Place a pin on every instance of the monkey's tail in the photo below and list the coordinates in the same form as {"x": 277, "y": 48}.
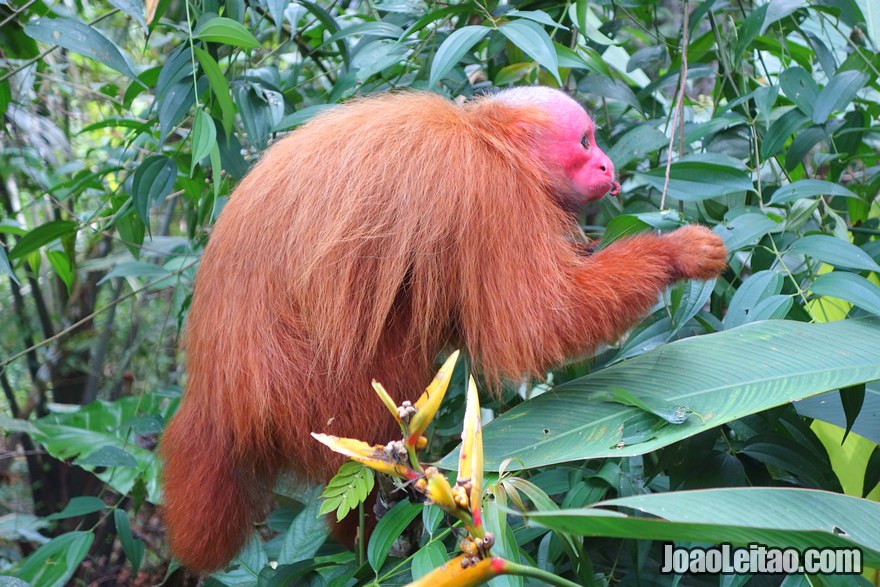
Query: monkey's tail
{"x": 211, "y": 503}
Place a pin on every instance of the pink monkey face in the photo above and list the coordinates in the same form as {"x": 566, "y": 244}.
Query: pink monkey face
{"x": 569, "y": 146}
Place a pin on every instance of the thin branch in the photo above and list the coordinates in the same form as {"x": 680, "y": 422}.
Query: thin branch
{"x": 678, "y": 107}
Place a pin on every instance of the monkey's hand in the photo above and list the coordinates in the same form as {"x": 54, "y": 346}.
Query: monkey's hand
{"x": 697, "y": 253}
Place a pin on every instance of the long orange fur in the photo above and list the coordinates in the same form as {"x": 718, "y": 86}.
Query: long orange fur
{"x": 359, "y": 247}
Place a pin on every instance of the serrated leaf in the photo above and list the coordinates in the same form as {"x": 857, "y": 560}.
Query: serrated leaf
{"x": 453, "y": 48}
{"x": 153, "y": 180}
{"x": 227, "y": 31}
{"x": 850, "y": 287}
{"x": 534, "y": 41}
{"x": 834, "y": 251}
{"x": 81, "y": 38}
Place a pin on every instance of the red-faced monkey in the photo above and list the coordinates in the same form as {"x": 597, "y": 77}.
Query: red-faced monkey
{"x": 362, "y": 245}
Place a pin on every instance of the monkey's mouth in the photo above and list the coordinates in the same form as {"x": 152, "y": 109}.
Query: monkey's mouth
{"x": 615, "y": 188}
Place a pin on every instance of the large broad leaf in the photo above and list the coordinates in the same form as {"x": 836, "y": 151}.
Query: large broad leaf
{"x": 717, "y": 378}
{"x": 700, "y": 177}
{"x": 92, "y": 429}
{"x": 79, "y": 37}
{"x": 225, "y": 30}
{"x": 774, "y": 517}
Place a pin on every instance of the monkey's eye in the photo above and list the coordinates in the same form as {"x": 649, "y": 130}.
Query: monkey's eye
{"x": 585, "y": 141}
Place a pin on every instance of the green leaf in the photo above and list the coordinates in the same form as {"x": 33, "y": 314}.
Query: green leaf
{"x": 108, "y": 456}
{"x": 227, "y": 31}
{"x": 834, "y": 251}
{"x": 428, "y": 558}
{"x": 392, "y": 524}
{"x": 204, "y": 137}
{"x": 787, "y": 361}
{"x": 81, "y": 38}
{"x": 153, "y": 180}
{"x": 872, "y": 472}
{"x": 219, "y": 87}
{"x": 301, "y": 116}
{"x": 5, "y": 267}
{"x": 5, "y": 96}
{"x": 85, "y": 428}
{"x": 604, "y": 86}
{"x": 132, "y": 9}
{"x": 60, "y": 262}
{"x": 133, "y": 547}
{"x": 534, "y": 41}
{"x": 800, "y": 88}
{"x": 538, "y": 16}
{"x": 306, "y": 534}
{"x": 780, "y": 131}
{"x": 694, "y": 295}
{"x": 453, "y": 48}
{"x": 348, "y": 488}
{"x": 636, "y": 144}
{"x": 850, "y": 287}
{"x": 55, "y": 562}
{"x": 838, "y": 94}
{"x": 79, "y": 506}
{"x": 756, "y": 288}
{"x": 776, "y": 517}
{"x": 852, "y": 399}
{"x": 828, "y": 407}
{"x": 700, "y": 177}
{"x": 42, "y": 235}
{"x": 807, "y": 188}
{"x": 745, "y": 230}
{"x": 373, "y": 29}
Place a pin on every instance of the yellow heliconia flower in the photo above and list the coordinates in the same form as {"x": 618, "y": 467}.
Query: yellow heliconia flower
{"x": 374, "y": 457}
{"x": 470, "y": 458}
{"x": 429, "y": 402}
{"x": 440, "y": 492}
{"x": 454, "y": 574}
{"x": 386, "y": 399}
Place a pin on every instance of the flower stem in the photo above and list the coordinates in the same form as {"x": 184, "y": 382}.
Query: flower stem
{"x": 527, "y": 571}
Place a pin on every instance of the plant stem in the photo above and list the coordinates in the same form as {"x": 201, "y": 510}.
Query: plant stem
{"x": 527, "y": 571}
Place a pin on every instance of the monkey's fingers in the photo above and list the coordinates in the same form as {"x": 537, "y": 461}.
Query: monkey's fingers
{"x": 699, "y": 253}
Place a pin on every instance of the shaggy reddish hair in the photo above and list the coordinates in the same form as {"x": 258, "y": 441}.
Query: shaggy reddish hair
{"x": 359, "y": 247}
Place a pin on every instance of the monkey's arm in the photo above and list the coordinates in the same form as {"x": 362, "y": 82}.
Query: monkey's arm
{"x": 616, "y": 286}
